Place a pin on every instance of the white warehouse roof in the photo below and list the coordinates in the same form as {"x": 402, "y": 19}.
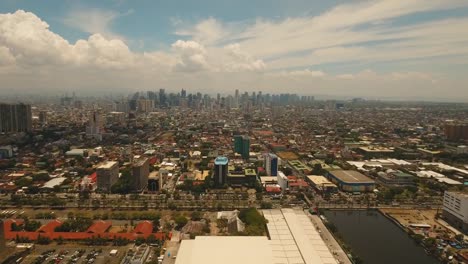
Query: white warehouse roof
{"x": 225, "y": 250}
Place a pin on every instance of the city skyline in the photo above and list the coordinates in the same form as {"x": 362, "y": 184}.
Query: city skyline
{"x": 398, "y": 50}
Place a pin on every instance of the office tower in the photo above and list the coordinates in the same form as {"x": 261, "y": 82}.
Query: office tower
{"x": 242, "y": 146}
{"x": 15, "y": 118}
{"x": 140, "y": 174}
{"x": 162, "y": 97}
{"x": 236, "y": 99}
{"x": 145, "y": 105}
{"x": 220, "y": 171}
{"x": 271, "y": 164}
{"x": 107, "y": 175}
{"x": 95, "y": 125}
{"x": 43, "y": 117}
{"x": 183, "y": 93}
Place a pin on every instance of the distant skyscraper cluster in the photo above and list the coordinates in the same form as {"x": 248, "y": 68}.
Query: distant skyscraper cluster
{"x": 149, "y": 101}
{"x": 15, "y": 118}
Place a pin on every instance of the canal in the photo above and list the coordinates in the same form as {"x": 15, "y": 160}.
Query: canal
{"x": 377, "y": 240}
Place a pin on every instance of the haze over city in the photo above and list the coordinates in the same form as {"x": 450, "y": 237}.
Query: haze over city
{"x": 402, "y": 50}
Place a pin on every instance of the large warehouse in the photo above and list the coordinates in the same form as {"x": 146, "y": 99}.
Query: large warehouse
{"x": 351, "y": 181}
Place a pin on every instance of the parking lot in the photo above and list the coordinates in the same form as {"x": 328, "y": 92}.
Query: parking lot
{"x": 77, "y": 254}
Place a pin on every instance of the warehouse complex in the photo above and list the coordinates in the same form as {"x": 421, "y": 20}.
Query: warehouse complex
{"x": 351, "y": 181}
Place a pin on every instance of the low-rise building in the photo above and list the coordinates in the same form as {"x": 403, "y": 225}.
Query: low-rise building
{"x": 351, "y": 181}
{"x": 393, "y": 178}
{"x": 322, "y": 184}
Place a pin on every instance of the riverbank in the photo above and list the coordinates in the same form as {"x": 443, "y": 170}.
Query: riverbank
{"x": 426, "y": 229}
{"x": 330, "y": 240}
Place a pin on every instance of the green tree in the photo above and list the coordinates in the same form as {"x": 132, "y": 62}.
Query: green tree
{"x": 180, "y": 221}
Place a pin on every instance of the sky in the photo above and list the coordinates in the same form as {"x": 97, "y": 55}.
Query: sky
{"x": 398, "y": 49}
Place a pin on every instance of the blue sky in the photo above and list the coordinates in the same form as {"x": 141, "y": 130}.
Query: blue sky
{"x": 365, "y": 48}
{"x": 152, "y": 21}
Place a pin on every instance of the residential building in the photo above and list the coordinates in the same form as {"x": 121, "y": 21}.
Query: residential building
{"x": 15, "y": 118}
{"x": 145, "y": 105}
{"x": 456, "y": 131}
{"x": 107, "y": 175}
{"x": 140, "y": 175}
{"x": 455, "y": 210}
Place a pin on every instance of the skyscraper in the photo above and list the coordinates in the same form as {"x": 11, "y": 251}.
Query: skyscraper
{"x": 43, "y": 117}
{"x": 94, "y": 125}
{"x": 220, "y": 171}
{"x": 271, "y": 164}
{"x": 15, "y": 118}
{"x": 242, "y": 146}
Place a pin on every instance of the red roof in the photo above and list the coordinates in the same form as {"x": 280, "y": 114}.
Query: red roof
{"x": 99, "y": 227}
{"x": 49, "y": 227}
{"x": 298, "y": 183}
{"x": 145, "y": 227}
{"x": 93, "y": 177}
{"x": 273, "y": 189}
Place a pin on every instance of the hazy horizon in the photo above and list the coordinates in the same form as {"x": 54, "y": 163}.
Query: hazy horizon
{"x": 412, "y": 50}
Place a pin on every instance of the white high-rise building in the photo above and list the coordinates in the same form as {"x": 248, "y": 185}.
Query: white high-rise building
{"x": 455, "y": 210}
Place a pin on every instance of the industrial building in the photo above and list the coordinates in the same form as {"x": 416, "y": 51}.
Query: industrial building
{"x": 351, "y": 181}
{"x": 226, "y": 250}
{"x": 455, "y": 210}
{"x": 294, "y": 238}
{"x": 376, "y": 152}
{"x": 107, "y": 175}
{"x": 322, "y": 184}
{"x": 393, "y": 178}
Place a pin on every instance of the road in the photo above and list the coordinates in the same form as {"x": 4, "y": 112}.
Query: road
{"x": 334, "y": 247}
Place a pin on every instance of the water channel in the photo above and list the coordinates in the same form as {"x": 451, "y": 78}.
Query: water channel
{"x": 376, "y": 239}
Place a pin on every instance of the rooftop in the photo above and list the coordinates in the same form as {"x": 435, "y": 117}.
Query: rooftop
{"x": 351, "y": 176}
{"x": 107, "y": 165}
{"x": 229, "y": 250}
{"x": 221, "y": 161}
